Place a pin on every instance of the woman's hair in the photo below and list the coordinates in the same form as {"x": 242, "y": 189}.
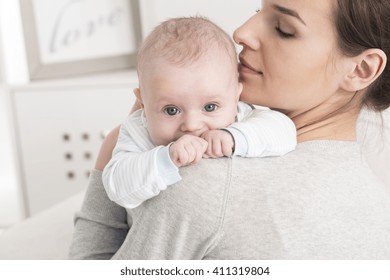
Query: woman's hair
{"x": 362, "y": 25}
{"x": 181, "y": 41}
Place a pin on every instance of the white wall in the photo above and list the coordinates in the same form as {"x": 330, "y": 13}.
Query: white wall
{"x": 13, "y": 70}
{"x": 229, "y": 14}
{"x": 12, "y": 51}
{"x": 11, "y": 206}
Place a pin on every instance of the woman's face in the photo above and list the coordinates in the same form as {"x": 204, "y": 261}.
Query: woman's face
{"x": 290, "y": 60}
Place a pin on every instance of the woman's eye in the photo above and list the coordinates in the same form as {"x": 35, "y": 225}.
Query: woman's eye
{"x": 171, "y": 111}
{"x": 283, "y": 34}
{"x": 210, "y": 107}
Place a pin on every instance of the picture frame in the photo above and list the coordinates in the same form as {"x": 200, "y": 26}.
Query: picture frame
{"x": 73, "y": 37}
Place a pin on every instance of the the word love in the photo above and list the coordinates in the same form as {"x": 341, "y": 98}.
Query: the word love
{"x": 69, "y": 30}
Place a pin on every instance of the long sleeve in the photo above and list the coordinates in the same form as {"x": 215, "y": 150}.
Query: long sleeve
{"x": 261, "y": 132}
{"x": 138, "y": 170}
{"x": 100, "y": 227}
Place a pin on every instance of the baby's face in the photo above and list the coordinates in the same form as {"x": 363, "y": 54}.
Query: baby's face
{"x": 189, "y": 99}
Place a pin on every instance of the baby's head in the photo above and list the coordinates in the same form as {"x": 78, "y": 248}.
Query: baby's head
{"x": 188, "y": 79}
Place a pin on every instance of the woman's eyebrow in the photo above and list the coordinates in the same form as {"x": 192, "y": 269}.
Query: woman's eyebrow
{"x": 288, "y": 12}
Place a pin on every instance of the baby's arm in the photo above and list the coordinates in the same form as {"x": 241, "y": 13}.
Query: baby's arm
{"x": 137, "y": 170}
{"x": 263, "y": 132}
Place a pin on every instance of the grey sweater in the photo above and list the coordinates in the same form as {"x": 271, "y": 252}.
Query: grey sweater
{"x": 320, "y": 201}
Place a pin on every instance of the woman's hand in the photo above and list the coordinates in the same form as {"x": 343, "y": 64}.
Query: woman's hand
{"x": 106, "y": 149}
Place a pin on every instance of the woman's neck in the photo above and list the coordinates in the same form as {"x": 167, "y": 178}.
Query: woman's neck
{"x": 333, "y": 119}
{"x": 339, "y": 127}
{"x": 327, "y": 123}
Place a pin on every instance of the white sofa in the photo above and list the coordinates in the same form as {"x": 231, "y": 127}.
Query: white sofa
{"x": 45, "y": 236}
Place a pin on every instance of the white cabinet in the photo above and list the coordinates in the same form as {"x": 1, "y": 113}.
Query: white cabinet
{"x": 60, "y": 126}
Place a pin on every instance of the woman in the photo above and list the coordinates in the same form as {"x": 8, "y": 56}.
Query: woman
{"x": 319, "y": 62}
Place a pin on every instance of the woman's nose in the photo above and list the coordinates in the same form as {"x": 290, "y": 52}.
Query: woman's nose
{"x": 247, "y": 35}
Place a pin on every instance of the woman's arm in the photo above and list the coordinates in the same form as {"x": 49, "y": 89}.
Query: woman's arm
{"x": 101, "y": 226}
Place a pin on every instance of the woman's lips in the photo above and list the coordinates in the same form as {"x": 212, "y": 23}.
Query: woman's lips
{"x": 243, "y": 67}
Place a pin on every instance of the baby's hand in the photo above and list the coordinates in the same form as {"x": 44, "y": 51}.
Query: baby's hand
{"x": 220, "y": 143}
{"x": 188, "y": 149}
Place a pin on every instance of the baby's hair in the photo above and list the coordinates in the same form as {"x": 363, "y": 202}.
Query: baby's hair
{"x": 182, "y": 41}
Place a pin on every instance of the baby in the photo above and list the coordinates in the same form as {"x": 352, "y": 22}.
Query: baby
{"x": 189, "y": 95}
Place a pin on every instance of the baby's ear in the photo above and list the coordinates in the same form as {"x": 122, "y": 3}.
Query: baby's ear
{"x": 367, "y": 67}
{"x": 137, "y": 93}
{"x": 239, "y": 90}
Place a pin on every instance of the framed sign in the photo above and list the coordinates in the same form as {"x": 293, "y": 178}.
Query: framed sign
{"x": 71, "y": 37}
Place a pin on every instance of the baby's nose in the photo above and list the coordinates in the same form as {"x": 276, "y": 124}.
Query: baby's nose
{"x": 191, "y": 124}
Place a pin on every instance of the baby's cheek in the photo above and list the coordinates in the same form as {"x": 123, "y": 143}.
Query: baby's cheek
{"x": 161, "y": 136}
{"x": 225, "y": 122}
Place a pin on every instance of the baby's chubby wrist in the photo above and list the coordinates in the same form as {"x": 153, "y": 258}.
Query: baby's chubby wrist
{"x": 166, "y": 168}
{"x": 232, "y": 137}
{"x": 240, "y": 143}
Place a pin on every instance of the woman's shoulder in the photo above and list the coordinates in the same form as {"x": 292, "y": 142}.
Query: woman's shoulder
{"x": 311, "y": 163}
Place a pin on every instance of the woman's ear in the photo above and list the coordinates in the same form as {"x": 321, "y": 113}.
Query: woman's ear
{"x": 137, "y": 93}
{"x": 367, "y": 67}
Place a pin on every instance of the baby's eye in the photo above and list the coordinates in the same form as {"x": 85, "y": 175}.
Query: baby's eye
{"x": 171, "y": 111}
{"x": 210, "y": 107}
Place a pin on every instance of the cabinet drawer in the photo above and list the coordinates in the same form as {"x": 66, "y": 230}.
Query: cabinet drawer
{"x": 59, "y": 133}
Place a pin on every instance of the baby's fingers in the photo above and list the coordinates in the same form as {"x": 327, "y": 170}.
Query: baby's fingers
{"x": 214, "y": 148}
{"x": 190, "y": 149}
{"x": 198, "y": 148}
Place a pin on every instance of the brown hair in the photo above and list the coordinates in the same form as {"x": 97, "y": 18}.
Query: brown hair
{"x": 184, "y": 40}
{"x": 362, "y": 25}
